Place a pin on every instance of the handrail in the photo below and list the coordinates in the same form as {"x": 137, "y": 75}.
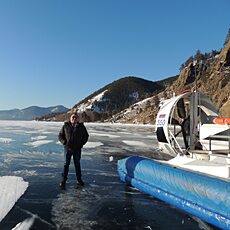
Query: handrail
{"x": 224, "y": 137}
{"x": 219, "y": 137}
{"x": 176, "y": 141}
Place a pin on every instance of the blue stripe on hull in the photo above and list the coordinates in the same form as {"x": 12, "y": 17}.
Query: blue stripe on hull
{"x": 203, "y": 196}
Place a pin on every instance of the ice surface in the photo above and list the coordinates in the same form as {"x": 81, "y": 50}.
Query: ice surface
{"x": 11, "y": 189}
{"x": 104, "y": 202}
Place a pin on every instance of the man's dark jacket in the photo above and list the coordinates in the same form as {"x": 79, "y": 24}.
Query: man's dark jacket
{"x": 73, "y": 138}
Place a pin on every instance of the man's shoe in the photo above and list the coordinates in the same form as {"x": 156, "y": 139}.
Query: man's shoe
{"x": 80, "y": 182}
{"x": 62, "y": 185}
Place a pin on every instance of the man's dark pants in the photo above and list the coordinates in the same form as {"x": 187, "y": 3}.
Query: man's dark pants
{"x": 76, "y": 159}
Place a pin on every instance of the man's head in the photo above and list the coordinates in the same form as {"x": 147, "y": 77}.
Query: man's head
{"x": 73, "y": 118}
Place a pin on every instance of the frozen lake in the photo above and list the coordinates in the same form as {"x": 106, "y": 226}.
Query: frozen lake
{"x": 31, "y": 150}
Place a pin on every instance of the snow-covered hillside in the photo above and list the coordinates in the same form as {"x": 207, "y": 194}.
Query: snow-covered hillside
{"x": 92, "y": 104}
{"x": 114, "y": 97}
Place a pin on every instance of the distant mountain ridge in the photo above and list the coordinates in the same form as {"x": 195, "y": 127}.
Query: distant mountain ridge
{"x": 31, "y": 113}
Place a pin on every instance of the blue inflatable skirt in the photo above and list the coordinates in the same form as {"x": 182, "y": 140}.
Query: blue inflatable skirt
{"x": 203, "y": 196}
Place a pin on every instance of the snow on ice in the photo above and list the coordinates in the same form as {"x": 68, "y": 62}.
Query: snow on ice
{"x": 11, "y": 189}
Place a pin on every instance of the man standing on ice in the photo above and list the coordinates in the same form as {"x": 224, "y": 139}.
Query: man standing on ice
{"x": 73, "y": 135}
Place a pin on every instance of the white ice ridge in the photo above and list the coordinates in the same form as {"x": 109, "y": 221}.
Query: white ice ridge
{"x": 135, "y": 143}
{"x": 92, "y": 144}
{"x": 11, "y": 189}
{"x": 38, "y": 138}
{"x": 104, "y": 135}
{"x": 25, "y": 225}
{"x": 6, "y": 140}
{"x": 38, "y": 143}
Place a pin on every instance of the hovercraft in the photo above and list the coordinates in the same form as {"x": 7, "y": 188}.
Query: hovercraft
{"x": 197, "y": 178}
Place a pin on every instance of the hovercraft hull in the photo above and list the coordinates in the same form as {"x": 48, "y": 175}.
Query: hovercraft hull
{"x": 201, "y": 195}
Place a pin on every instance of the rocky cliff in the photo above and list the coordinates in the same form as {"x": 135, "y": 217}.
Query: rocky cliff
{"x": 206, "y": 73}
{"x": 211, "y": 76}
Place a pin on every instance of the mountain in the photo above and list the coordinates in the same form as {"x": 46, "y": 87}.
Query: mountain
{"x": 114, "y": 97}
{"x": 30, "y": 113}
{"x": 209, "y": 73}
{"x": 135, "y": 100}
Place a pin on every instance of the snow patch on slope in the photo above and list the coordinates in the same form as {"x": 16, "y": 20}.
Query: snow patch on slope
{"x": 89, "y": 105}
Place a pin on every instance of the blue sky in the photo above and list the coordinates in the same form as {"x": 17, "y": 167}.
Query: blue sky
{"x": 58, "y": 52}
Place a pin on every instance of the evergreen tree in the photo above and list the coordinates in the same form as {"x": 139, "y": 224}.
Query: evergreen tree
{"x": 189, "y": 60}
{"x": 227, "y": 37}
{"x": 198, "y": 56}
{"x": 214, "y": 53}
{"x": 182, "y": 67}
